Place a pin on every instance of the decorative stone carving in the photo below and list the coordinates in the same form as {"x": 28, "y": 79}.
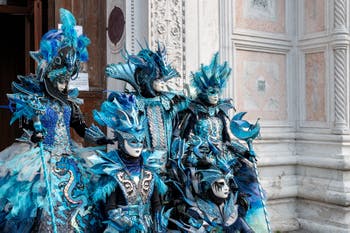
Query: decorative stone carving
{"x": 340, "y": 15}
{"x": 167, "y": 26}
{"x": 132, "y": 25}
{"x": 340, "y": 49}
{"x": 340, "y": 91}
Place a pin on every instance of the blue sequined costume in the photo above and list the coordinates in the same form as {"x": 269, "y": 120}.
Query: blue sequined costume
{"x": 50, "y": 196}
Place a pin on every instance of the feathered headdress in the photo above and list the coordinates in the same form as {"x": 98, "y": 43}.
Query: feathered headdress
{"x": 213, "y": 75}
{"x": 142, "y": 69}
{"x": 207, "y": 177}
{"x": 61, "y": 51}
{"x": 222, "y": 169}
{"x": 120, "y": 113}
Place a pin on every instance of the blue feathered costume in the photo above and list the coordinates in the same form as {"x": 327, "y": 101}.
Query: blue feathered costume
{"x": 43, "y": 185}
{"x": 129, "y": 185}
{"x": 152, "y": 79}
{"x": 205, "y": 141}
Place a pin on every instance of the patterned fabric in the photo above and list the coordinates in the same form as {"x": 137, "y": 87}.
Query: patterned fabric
{"x": 43, "y": 183}
{"x": 133, "y": 197}
{"x": 23, "y": 187}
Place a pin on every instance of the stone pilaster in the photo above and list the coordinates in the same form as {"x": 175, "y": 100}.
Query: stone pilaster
{"x": 340, "y": 16}
{"x": 340, "y": 88}
{"x": 167, "y": 22}
{"x": 340, "y": 42}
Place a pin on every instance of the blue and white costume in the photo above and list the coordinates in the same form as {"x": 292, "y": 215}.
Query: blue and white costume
{"x": 43, "y": 184}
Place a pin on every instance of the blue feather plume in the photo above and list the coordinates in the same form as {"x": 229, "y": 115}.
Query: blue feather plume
{"x": 68, "y": 24}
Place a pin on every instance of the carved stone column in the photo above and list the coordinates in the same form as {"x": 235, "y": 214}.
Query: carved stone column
{"x": 340, "y": 15}
{"x": 341, "y": 74}
{"x": 167, "y": 22}
{"x": 340, "y": 88}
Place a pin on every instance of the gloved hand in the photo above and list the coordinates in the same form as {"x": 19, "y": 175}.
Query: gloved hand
{"x": 37, "y": 137}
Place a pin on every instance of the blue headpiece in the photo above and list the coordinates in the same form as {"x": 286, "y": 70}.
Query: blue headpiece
{"x": 222, "y": 169}
{"x": 142, "y": 69}
{"x": 208, "y": 176}
{"x": 213, "y": 75}
{"x": 121, "y": 114}
{"x": 61, "y": 51}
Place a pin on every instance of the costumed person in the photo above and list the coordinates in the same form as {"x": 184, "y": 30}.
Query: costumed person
{"x": 214, "y": 208}
{"x": 128, "y": 186}
{"x": 43, "y": 186}
{"x": 204, "y": 125}
{"x": 150, "y": 76}
{"x": 204, "y": 138}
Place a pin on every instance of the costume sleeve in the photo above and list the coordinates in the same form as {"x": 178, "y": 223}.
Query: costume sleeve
{"x": 184, "y": 125}
{"x": 111, "y": 201}
{"x": 92, "y": 134}
{"x": 179, "y": 103}
{"x": 77, "y": 121}
{"x": 155, "y": 200}
{"x": 160, "y": 218}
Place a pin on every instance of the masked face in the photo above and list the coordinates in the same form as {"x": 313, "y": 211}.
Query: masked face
{"x": 159, "y": 85}
{"x": 133, "y": 147}
{"x": 61, "y": 84}
{"x": 213, "y": 96}
{"x": 220, "y": 188}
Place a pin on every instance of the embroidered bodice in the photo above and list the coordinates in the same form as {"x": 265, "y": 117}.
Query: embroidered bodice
{"x": 136, "y": 193}
{"x": 209, "y": 127}
{"x": 159, "y": 121}
{"x": 56, "y": 121}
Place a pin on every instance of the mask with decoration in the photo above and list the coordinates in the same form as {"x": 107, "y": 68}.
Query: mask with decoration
{"x": 147, "y": 72}
{"x": 120, "y": 113}
{"x": 59, "y": 57}
{"x": 210, "y": 80}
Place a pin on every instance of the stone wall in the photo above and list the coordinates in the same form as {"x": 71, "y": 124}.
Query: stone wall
{"x": 263, "y": 44}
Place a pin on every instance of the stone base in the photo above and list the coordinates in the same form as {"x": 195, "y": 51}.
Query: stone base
{"x": 282, "y": 215}
{"x": 320, "y": 217}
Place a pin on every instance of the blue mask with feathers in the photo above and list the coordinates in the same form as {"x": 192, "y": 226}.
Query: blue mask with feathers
{"x": 61, "y": 51}
{"x": 211, "y": 80}
{"x": 207, "y": 177}
{"x": 142, "y": 69}
{"x": 120, "y": 113}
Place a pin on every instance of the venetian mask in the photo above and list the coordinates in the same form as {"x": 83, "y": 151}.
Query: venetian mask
{"x": 212, "y": 95}
{"x": 220, "y": 188}
{"x": 61, "y": 84}
{"x": 133, "y": 147}
{"x": 159, "y": 85}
